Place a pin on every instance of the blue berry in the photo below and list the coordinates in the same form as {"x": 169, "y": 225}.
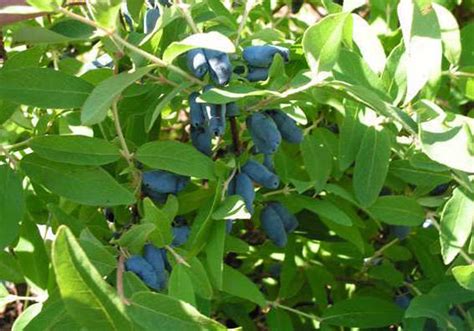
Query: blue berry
{"x": 244, "y": 188}
{"x": 139, "y": 266}
{"x": 151, "y": 17}
{"x": 273, "y": 226}
{"x": 220, "y": 67}
{"x": 197, "y": 63}
{"x": 262, "y": 56}
{"x": 287, "y": 126}
{"x": 264, "y": 132}
{"x": 260, "y": 174}
{"x": 256, "y": 74}
{"x": 180, "y": 235}
{"x": 289, "y": 220}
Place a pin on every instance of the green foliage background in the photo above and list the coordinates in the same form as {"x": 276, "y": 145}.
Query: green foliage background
{"x": 383, "y": 91}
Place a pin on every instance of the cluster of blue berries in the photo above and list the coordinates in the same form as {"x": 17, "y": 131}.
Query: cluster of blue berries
{"x": 153, "y": 267}
{"x": 158, "y": 184}
{"x": 267, "y": 129}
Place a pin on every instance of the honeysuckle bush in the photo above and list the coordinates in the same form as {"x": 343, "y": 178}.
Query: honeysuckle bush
{"x": 111, "y": 219}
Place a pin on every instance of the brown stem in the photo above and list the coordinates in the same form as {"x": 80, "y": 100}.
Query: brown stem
{"x": 3, "y": 52}
{"x": 120, "y": 271}
{"x": 234, "y": 129}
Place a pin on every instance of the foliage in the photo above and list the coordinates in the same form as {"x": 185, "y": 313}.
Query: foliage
{"x": 204, "y": 165}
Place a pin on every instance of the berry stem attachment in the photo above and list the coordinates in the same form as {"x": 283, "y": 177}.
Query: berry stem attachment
{"x": 179, "y": 259}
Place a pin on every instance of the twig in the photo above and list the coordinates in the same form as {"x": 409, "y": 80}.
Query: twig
{"x": 294, "y": 311}
{"x": 463, "y": 254}
{"x": 179, "y": 259}
{"x": 248, "y": 6}
{"x": 225, "y": 186}
{"x": 378, "y": 253}
{"x": 184, "y": 10}
{"x": 120, "y": 271}
{"x": 286, "y": 190}
{"x": 115, "y": 37}
{"x": 234, "y": 129}
{"x": 125, "y": 151}
{"x": 12, "y": 158}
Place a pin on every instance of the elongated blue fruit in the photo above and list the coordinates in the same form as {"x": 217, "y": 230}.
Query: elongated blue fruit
{"x": 259, "y": 174}
{"x": 202, "y": 139}
{"x": 264, "y": 132}
{"x": 197, "y": 112}
{"x": 287, "y": 126}
{"x": 262, "y": 56}
{"x": 217, "y": 120}
{"x": 151, "y": 17}
{"x": 400, "y": 231}
{"x": 220, "y": 67}
{"x": 273, "y": 226}
{"x": 165, "y": 259}
{"x": 268, "y": 162}
{"x": 232, "y": 110}
{"x": 161, "y": 181}
{"x": 244, "y": 188}
{"x": 289, "y": 220}
{"x": 154, "y": 257}
{"x": 228, "y": 226}
{"x": 166, "y": 3}
{"x": 256, "y": 74}
{"x": 180, "y": 235}
{"x": 139, "y": 266}
{"x": 197, "y": 63}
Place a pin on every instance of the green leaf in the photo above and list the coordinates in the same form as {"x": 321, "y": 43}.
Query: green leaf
{"x": 322, "y": 42}
{"x": 180, "y": 285}
{"x": 237, "y": 284}
{"x": 450, "y": 34}
{"x": 100, "y": 100}
{"x": 152, "y": 115}
{"x": 44, "y": 88}
{"x": 279, "y": 320}
{"x": 10, "y": 268}
{"x": 60, "y": 217}
{"x": 87, "y": 185}
{"x": 149, "y": 310}
{"x": 351, "y": 134}
{"x": 12, "y": 205}
{"x": 369, "y": 45}
{"x": 161, "y": 235}
{"x": 102, "y": 259}
{"x": 135, "y": 238}
{"x": 210, "y": 40}
{"x": 32, "y": 257}
{"x": 201, "y": 284}
{"x": 289, "y": 272}
{"x": 397, "y": 210}
{"x": 53, "y": 317}
{"x": 371, "y": 166}
{"x": 215, "y": 253}
{"x": 325, "y": 209}
{"x": 421, "y": 35}
{"x": 26, "y": 317}
{"x": 456, "y": 224}
{"x": 429, "y": 306}
{"x": 45, "y": 5}
{"x": 233, "y": 207}
{"x": 176, "y": 157}
{"x": 80, "y": 150}
{"x": 317, "y": 159}
{"x": 105, "y": 12}
{"x": 362, "y": 312}
{"x": 447, "y": 138}
{"x": 464, "y": 275}
{"x": 89, "y": 300}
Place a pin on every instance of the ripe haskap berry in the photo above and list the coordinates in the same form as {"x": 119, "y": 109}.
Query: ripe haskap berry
{"x": 262, "y": 56}
{"x": 232, "y": 110}
{"x": 217, "y": 120}
{"x": 256, "y": 74}
{"x": 197, "y": 63}
{"x": 154, "y": 257}
{"x": 440, "y": 189}
{"x": 150, "y": 19}
{"x": 273, "y": 226}
{"x": 161, "y": 181}
{"x": 289, "y": 220}
{"x": 287, "y": 126}
{"x": 261, "y": 175}
{"x": 228, "y": 226}
{"x": 139, "y": 266}
{"x": 268, "y": 162}
{"x": 400, "y": 231}
{"x": 202, "y": 139}
{"x": 403, "y": 301}
{"x": 197, "y": 112}
{"x": 244, "y": 188}
{"x": 220, "y": 67}
{"x": 180, "y": 235}
{"x": 264, "y": 132}
{"x": 166, "y": 3}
